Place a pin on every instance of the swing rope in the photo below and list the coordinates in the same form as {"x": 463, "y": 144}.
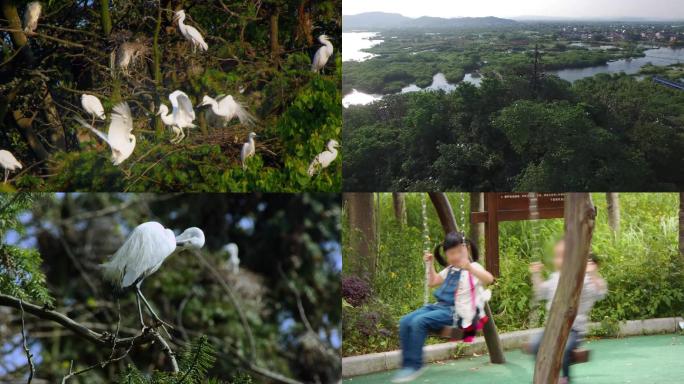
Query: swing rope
{"x": 426, "y": 248}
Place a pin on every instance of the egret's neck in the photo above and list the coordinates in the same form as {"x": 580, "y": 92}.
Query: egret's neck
{"x": 214, "y": 106}
{"x": 332, "y": 150}
{"x": 328, "y": 44}
{"x": 181, "y": 20}
{"x": 167, "y": 118}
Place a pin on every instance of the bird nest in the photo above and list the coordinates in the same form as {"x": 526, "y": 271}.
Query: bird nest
{"x": 231, "y": 140}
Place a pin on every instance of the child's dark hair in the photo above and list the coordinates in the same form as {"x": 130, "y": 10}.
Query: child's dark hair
{"x": 454, "y": 239}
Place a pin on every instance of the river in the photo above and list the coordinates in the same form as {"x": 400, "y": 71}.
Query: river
{"x": 361, "y": 40}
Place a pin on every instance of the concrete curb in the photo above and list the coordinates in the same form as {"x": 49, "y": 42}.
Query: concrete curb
{"x": 377, "y": 362}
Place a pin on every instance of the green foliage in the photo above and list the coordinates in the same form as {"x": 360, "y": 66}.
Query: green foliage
{"x": 20, "y": 268}
{"x": 641, "y": 264}
{"x": 608, "y": 327}
{"x": 603, "y": 133}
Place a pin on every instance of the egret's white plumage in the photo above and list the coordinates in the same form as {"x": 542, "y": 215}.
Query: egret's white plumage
{"x": 322, "y": 55}
{"x": 227, "y": 108}
{"x": 119, "y": 137}
{"x": 144, "y": 252}
{"x": 93, "y": 107}
{"x": 248, "y": 149}
{"x": 9, "y": 162}
{"x": 190, "y": 33}
{"x": 31, "y": 16}
{"x": 167, "y": 119}
{"x": 325, "y": 158}
{"x": 182, "y": 116}
{"x": 234, "y": 260}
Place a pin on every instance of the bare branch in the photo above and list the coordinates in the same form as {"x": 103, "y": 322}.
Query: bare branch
{"x": 29, "y": 356}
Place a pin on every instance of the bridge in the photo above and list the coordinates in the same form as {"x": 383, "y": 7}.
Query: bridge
{"x": 668, "y": 83}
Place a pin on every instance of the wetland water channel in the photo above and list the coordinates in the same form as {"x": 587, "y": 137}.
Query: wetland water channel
{"x": 356, "y": 42}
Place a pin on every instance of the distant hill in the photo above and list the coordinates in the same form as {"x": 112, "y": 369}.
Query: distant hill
{"x": 382, "y": 20}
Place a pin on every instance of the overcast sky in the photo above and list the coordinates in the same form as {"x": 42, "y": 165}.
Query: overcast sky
{"x": 657, "y": 9}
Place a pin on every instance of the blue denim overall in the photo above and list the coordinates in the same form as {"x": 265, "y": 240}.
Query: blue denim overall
{"x": 414, "y": 327}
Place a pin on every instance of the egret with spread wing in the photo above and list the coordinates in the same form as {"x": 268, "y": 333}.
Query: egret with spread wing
{"x": 31, "y": 16}
{"x": 248, "y": 149}
{"x": 322, "y": 55}
{"x": 227, "y": 109}
{"x": 325, "y": 158}
{"x": 182, "y": 116}
{"x": 93, "y": 107}
{"x": 119, "y": 137}
{"x": 190, "y": 33}
{"x": 143, "y": 253}
{"x": 9, "y": 162}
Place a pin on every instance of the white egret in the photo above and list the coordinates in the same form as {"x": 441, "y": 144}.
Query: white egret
{"x": 119, "y": 137}
{"x": 322, "y": 55}
{"x": 189, "y": 32}
{"x": 248, "y": 149}
{"x": 234, "y": 261}
{"x": 93, "y": 107}
{"x": 227, "y": 109}
{"x": 128, "y": 53}
{"x": 183, "y": 114}
{"x": 325, "y": 158}
{"x": 9, "y": 162}
{"x": 167, "y": 119}
{"x": 31, "y": 16}
{"x": 143, "y": 253}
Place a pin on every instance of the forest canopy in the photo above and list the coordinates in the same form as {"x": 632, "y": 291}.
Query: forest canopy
{"x": 259, "y": 51}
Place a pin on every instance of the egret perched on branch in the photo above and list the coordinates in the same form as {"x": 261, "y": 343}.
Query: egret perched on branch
{"x": 189, "y": 32}
{"x": 322, "y": 55}
{"x": 325, "y": 158}
{"x": 93, "y": 107}
{"x": 227, "y": 109}
{"x": 143, "y": 253}
{"x": 31, "y": 16}
{"x": 9, "y": 162}
{"x": 234, "y": 261}
{"x": 182, "y": 116}
{"x": 119, "y": 137}
{"x": 248, "y": 149}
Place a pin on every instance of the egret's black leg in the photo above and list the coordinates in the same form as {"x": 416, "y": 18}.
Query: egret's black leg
{"x": 154, "y": 314}
{"x": 137, "y": 299}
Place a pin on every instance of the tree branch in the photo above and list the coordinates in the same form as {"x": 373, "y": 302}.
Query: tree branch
{"x": 29, "y": 356}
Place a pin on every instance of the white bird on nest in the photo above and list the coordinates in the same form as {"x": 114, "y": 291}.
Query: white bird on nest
{"x": 322, "y": 55}
{"x": 9, "y": 162}
{"x": 119, "y": 137}
{"x": 324, "y": 159}
{"x": 189, "y": 32}
{"x": 228, "y": 109}
{"x": 143, "y": 253}
{"x": 31, "y": 16}
{"x": 182, "y": 116}
{"x": 93, "y": 107}
{"x": 248, "y": 149}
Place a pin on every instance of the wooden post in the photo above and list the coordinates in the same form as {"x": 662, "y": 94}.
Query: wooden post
{"x": 448, "y": 221}
{"x": 492, "y": 231}
{"x": 579, "y": 220}
{"x": 361, "y": 216}
{"x": 681, "y": 223}
{"x": 399, "y": 205}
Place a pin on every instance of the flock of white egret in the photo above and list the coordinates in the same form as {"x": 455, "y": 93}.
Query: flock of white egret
{"x": 120, "y": 136}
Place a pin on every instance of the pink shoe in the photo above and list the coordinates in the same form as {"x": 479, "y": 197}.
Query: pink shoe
{"x": 563, "y": 380}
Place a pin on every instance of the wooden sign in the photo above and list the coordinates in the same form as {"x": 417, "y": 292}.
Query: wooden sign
{"x": 507, "y": 206}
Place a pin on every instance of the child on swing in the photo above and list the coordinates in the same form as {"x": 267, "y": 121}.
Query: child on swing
{"x": 593, "y": 290}
{"x": 461, "y": 298}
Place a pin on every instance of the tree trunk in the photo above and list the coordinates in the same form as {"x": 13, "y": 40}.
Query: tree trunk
{"x": 681, "y": 223}
{"x": 613, "y": 202}
{"x": 105, "y": 17}
{"x": 275, "y": 45}
{"x": 304, "y": 25}
{"x": 579, "y": 225}
{"x": 399, "y": 204}
{"x": 448, "y": 221}
{"x": 156, "y": 70}
{"x": 9, "y": 10}
{"x": 360, "y": 211}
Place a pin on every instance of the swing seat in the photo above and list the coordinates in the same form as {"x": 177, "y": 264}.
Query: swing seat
{"x": 579, "y": 355}
{"x": 459, "y": 334}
